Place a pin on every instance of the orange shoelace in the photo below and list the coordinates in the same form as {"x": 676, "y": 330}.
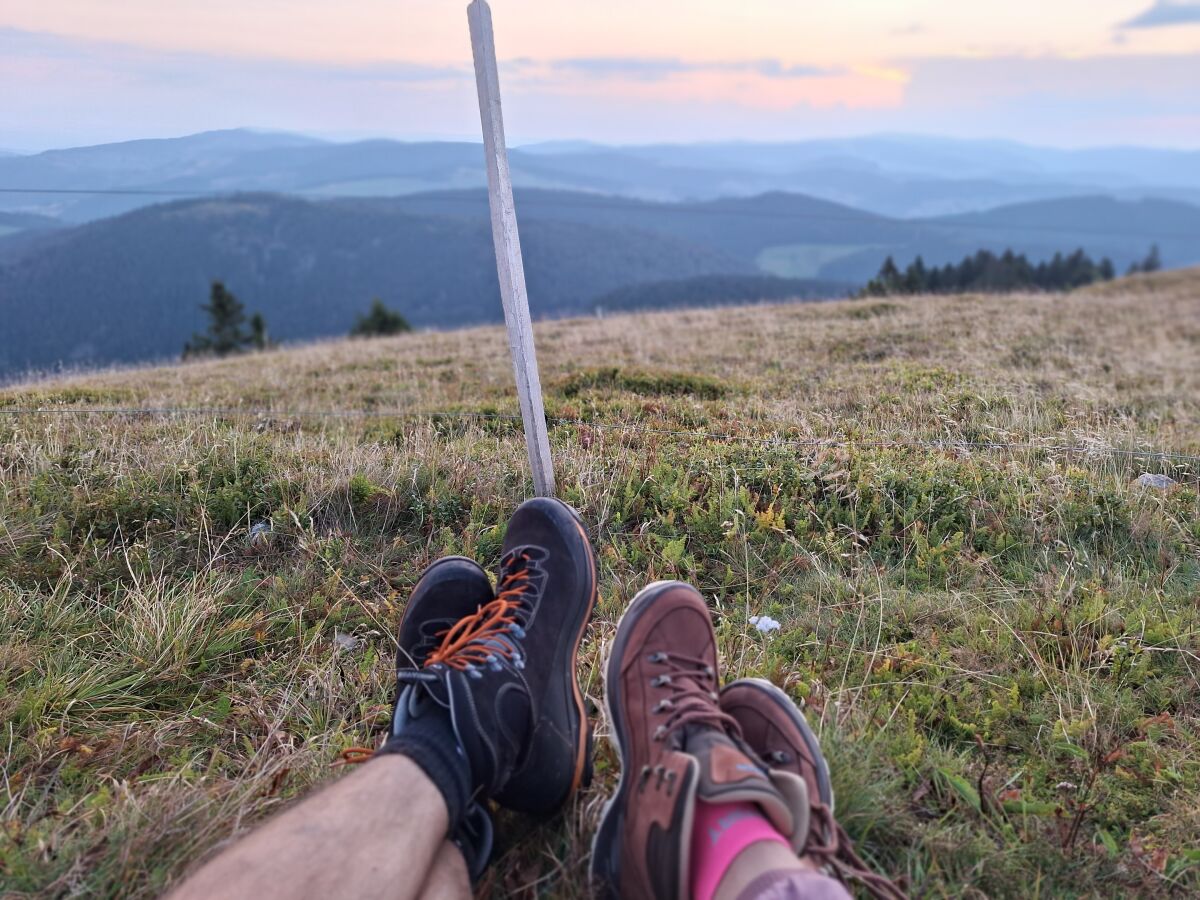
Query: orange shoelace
{"x": 460, "y": 647}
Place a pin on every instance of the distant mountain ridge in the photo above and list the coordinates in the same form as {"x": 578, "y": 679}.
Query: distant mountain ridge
{"x": 129, "y": 288}
{"x": 893, "y": 175}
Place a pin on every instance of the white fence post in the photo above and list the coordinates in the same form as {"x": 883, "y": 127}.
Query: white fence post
{"x": 508, "y": 249}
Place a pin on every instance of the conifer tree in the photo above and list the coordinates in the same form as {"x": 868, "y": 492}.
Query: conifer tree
{"x": 1152, "y": 262}
{"x": 225, "y": 334}
{"x": 380, "y": 320}
{"x": 258, "y": 332}
{"x": 985, "y": 271}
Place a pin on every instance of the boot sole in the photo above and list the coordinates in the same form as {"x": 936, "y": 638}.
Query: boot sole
{"x": 785, "y": 705}
{"x": 606, "y": 846}
{"x": 583, "y": 758}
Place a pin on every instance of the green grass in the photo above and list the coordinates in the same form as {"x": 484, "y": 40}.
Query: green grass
{"x": 999, "y": 648}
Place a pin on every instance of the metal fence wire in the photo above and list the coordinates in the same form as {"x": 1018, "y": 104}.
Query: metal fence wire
{"x": 1184, "y": 460}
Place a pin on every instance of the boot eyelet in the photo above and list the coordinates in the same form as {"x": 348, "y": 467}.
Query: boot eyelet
{"x": 660, "y": 680}
{"x": 660, "y": 732}
{"x": 657, "y": 657}
{"x": 643, "y": 778}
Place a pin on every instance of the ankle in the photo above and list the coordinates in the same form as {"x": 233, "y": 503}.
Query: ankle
{"x": 722, "y": 836}
{"x": 429, "y": 742}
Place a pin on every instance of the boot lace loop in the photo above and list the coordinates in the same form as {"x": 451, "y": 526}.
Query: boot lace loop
{"x": 829, "y": 844}
{"x": 692, "y": 682}
{"x": 472, "y": 640}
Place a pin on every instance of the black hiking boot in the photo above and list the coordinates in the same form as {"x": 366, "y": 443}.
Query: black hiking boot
{"x": 505, "y": 673}
{"x": 451, "y": 589}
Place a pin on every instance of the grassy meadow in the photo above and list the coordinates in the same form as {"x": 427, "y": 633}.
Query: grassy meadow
{"x": 1000, "y": 646}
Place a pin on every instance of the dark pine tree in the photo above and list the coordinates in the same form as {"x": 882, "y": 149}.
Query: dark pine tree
{"x": 888, "y": 281}
{"x": 259, "y": 339}
{"x": 1152, "y": 262}
{"x": 380, "y": 321}
{"x": 985, "y": 271}
{"x": 225, "y": 334}
{"x": 916, "y": 277}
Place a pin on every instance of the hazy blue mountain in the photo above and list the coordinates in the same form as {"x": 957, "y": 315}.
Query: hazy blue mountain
{"x": 129, "y": 288}
{"x": 143, "y": 165}
{"x": 1122, "y": 230}
{"x": 802, "y": 237}
{"x": 893, "y": 175}
{"x": 143, "y": 162}
{"x": 948, "y": 157}
{"x": 743, "y": 226}
{"x": 717, "y": 290}
{"x": 11, "y": 222}
{"x": 1092, "y": 215}
{"x": 20, "y": 232}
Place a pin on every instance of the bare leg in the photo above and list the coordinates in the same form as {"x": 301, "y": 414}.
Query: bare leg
{"x": 374, "y": 833}
{"x": 768, "y": 856}
{"x": 448, "y": 879}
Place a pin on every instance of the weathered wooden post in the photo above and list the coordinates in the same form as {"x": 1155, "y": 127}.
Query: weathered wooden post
{"x": 508, "y": 249}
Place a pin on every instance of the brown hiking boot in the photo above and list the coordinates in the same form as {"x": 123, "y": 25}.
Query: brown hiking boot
{"x": 676, "y": 746}
{"x": 776, "y": 730}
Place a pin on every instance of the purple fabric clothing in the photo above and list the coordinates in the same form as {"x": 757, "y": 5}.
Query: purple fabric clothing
{"x": 788, "y": 884}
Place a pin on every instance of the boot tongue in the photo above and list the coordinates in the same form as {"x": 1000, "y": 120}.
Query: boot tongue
{"x": 418, "y": 699}
{"x": 727, "y": 774}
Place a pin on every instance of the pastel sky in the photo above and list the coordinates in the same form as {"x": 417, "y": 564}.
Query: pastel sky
{"x": 1063, "y": 72}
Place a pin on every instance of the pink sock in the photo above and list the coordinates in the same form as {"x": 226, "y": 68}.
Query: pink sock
{"x": 722, "y": 831}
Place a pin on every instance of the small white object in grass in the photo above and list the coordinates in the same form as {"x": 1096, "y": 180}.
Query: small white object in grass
{"x": 764, "y": 624}
{"x": 1159, "y": 482}
{"x": 260, "y": 533}
{"x": 346, "y": 641}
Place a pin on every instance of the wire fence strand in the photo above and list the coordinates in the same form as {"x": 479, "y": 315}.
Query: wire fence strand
{"x": 773, "y": 441}
{"x": 534, "y": 209}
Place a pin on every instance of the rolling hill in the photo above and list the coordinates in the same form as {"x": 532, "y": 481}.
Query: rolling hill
{"x": 14, "y": 222}
{"x": 991, "y": 622}
{"x": 128, "y": 288}
{"x": 1122, "y": 230}
{"x": 896, "y": 175}
{"x": 793, "y": 235}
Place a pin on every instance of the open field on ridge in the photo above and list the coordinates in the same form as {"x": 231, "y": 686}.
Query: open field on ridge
{"x": 999, "y": 646}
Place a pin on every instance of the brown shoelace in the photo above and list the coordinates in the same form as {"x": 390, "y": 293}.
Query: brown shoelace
{"x": 839, "y": 856}
{"x": 692, "y": 682}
